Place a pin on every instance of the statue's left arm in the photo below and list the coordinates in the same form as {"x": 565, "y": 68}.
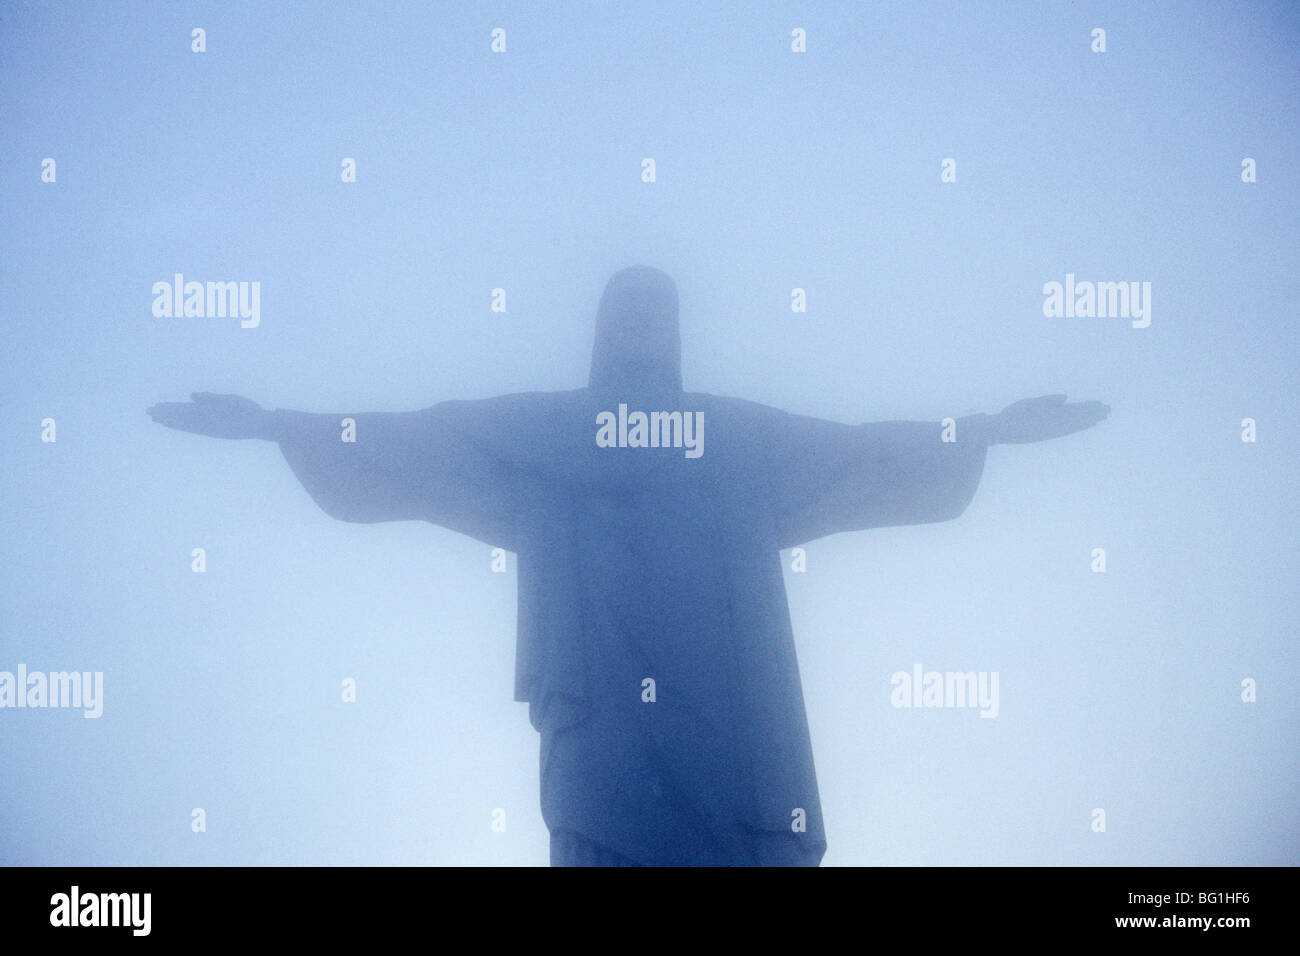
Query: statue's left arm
{"x": 835, "y": 477}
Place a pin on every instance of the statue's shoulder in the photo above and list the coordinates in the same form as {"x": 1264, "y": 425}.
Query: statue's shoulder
{"x": 731, "y": 409}
{"x": 516, "y": 403}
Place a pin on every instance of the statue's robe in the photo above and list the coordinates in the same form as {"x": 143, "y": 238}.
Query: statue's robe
{"x": 638, "y": 563}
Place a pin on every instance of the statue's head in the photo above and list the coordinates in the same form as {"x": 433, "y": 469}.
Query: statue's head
{"x": 638, "y": 343}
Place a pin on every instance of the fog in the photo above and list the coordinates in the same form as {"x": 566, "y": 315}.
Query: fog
{"x": 1161, "y": 690}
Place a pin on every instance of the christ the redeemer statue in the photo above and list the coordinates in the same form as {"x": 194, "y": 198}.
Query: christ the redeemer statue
{"x": 654, "y": 641}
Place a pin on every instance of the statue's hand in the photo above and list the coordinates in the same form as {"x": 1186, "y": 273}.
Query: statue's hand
{"x": 217, "y": 416}
{"x": 1038, "y": 419}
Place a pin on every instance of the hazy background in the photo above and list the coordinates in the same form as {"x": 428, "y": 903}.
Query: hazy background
{"x": 775, "y": 170}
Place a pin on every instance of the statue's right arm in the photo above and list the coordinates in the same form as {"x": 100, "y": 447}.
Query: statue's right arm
{"x": 375, "y": 466}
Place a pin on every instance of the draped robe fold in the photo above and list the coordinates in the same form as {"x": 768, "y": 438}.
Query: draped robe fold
{"x": 638, "y": 563}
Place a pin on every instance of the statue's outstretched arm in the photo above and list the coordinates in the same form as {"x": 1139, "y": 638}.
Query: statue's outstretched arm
{"x": 378, "y": 466}
{"x": 216, "y": 416}
{"x": 1032, "y": 420}
{"x": 823, "y": 477}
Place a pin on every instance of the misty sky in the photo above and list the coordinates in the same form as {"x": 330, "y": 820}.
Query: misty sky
{"x": 774, "y": 170}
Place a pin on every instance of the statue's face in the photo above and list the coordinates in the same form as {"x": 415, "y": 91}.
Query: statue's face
{"x": 637, "y": 335}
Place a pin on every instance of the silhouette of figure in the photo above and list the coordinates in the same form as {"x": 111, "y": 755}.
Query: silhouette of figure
{"x": 654, "y": 642}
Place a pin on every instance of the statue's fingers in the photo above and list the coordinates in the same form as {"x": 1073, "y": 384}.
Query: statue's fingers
{"x": 213, "y": 397}
{"x": 1094, "y": 410}
{"x": 183, "y": 415}
{"x": 164, "y": 409}
{"x": 1087, "y": 414}
{"x": 1041, "y": 402}
{"x": 163, "y": 416}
